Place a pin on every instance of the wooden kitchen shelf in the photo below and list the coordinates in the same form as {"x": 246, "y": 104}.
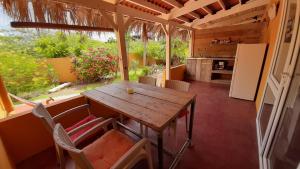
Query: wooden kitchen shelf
{"x": 222, "y": 71}
{"x": 221, "y": 81}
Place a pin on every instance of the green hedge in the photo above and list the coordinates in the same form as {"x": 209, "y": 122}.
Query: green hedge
{"x": 23, "y": 73}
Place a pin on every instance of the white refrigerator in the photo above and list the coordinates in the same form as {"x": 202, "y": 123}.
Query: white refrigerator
{"x": 247, "y": 69}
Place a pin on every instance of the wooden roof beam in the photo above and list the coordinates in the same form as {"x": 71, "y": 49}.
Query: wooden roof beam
{"x": 174, "y": 3}
{"x": 235, "y": 20}
{"x": 150, "y": 6}
{"x": 112, "y": 1}
{"x": 178, "y": 5}
{"x": 148, "y": 17}
{"x": 195, "y": 15}
{"x": 134, "y": 13}
{"x": 233, "y": 10}
{"x": 189, "y": 6}
{"x": 206, "y": 9}
{"x": 222, "y": 4}
{"x": 58, "y": 26}
{"x": 184, "y": 19}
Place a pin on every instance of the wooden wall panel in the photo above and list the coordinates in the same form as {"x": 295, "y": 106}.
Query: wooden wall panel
{"x": 247, "y": 33}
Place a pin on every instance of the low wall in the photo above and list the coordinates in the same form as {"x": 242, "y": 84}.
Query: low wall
{"x": 63, "y": 69}
{"x": 24, "y": 135}
{"x": 139, "y": 59}
{"x": 4, "y": 158}
{"x": 176, "y": 73}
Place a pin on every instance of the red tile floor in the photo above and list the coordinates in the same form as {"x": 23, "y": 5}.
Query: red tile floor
{"x": 224, "y": 135}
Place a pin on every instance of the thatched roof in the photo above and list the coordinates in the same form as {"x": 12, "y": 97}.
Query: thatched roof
{"x": 55, "y": 12}
{"x": 183, "y": 14}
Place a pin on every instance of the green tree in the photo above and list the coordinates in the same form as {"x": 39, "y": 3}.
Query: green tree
{"x": 24, "y": 73}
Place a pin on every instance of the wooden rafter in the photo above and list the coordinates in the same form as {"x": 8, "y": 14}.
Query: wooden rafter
{"x": 195, "y": 15}
{"x": 166, "y": 16}
{"x": 190, "y": 6}
{"x": 127, "y": 11}
{"x": 184, "y": 19}
{"x": 222, "y": 4}
{"x": 58, "y": 26}
{"x": 234, "y": 10}
{"x": 174, "y": 3}
{"x": 237, "y": 19}
{"x": 150, "y": 6}
{"x": 206, "y": 9}
{"x": 178, "y": 5}
{"x": 112, "y": 1}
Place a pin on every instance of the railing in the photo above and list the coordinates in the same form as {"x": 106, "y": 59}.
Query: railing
{"x": 24, "y": 101}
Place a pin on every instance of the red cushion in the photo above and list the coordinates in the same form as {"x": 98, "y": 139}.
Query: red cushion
{"x": 108, "y": 149}
{"x": 183, "y": 113}
{"x": 81, "y": 122}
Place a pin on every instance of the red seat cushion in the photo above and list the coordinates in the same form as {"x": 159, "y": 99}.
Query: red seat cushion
{"x": 108, "y": 149}
{"x": 81, "y": 122}
{"x": 183, "y": 113}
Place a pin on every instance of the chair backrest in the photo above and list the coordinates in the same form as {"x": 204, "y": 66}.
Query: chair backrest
{"x": 147, "y": 80}
{"x": 177, "y": 85}
{"x": 42, "y": 113}
{"x": 62, "y": 139}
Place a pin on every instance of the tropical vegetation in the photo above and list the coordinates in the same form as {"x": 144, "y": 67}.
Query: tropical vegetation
{"x": 23, "y": 55}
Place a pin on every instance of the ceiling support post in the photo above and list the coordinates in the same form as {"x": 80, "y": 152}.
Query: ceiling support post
{"x": 168, "y": 32}
{"x": 191, "y": 43}
{"x": 121, "y": 42}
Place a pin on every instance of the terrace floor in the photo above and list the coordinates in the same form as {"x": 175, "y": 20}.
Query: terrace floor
{"x": 224, "y": 135}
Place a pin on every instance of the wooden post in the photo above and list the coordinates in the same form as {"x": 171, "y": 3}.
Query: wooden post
{"x": 5, "y": 101}
{"x": 191, "y": 43}
{"x": 145, "y": 41}
{"x": 168, "y": 51}
{"x": 120, "y": 34}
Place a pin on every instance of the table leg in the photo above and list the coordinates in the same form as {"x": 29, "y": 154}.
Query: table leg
{"x": 191, "y": 121}
{"x": 160, "y": 150}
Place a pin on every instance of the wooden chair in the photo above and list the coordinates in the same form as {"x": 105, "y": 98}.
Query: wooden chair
{"x": 113, "y": 150}
{"x": 147, "y": 80}
{"x": 75, "y": 131}
{"x": 180, "y": 86}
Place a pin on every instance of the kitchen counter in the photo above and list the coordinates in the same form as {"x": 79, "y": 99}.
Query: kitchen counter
{"x": 202, "y": 69}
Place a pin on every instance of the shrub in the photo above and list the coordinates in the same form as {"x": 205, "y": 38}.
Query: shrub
{"x": 95, "y": 65}
{"x": 136, "y": 47}
{"x": 52, "y": 46}
{"x": 156, "y": 49}
{"x": 145, "y": 70}
{"x": 24, "y": 73}
{"x": 61, "y": 45}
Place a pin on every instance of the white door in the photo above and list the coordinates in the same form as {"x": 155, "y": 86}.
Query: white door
{"x": 283, "y": 150}
{"x": 247, "y": 68}
{"x": 279, "y": 78}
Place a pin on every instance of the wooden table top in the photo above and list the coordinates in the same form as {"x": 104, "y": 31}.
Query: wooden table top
{"x": 152, "y": 106}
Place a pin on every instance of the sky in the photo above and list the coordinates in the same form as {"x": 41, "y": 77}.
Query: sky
{"x": 5, "y": 24}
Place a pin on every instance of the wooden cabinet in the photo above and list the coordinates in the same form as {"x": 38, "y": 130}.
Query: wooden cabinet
{"x": 206, "y": 68}
{"x": 191, "y": 69}
{"x": 199, "y": 69}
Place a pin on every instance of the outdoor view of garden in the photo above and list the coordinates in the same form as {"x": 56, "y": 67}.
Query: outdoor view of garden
{"x": 31, "y": 61}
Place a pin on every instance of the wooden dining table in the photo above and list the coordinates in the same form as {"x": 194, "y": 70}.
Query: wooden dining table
{"x": 153, "y": 107}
